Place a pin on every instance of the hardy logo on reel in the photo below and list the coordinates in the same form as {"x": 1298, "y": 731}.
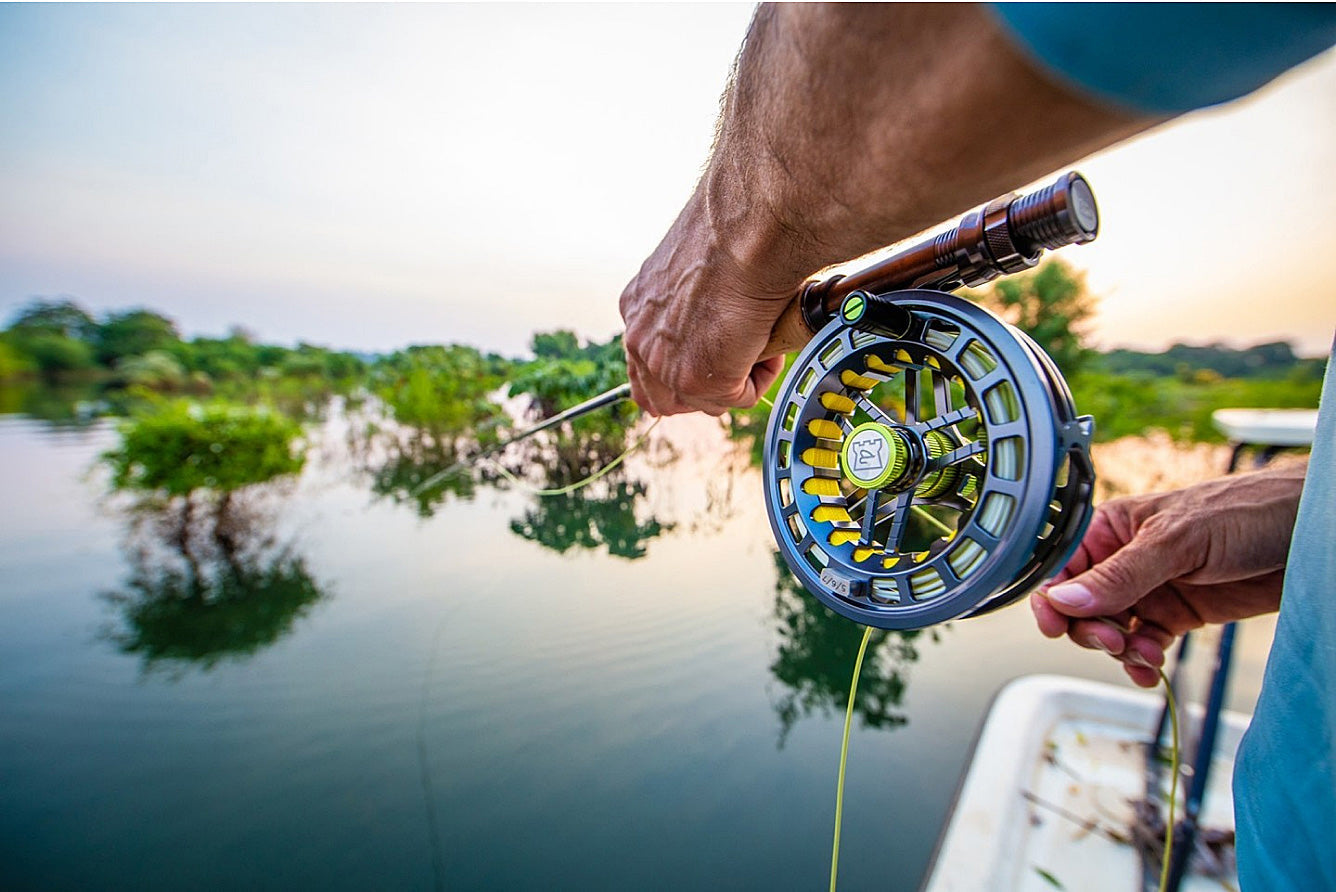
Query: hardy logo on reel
{"x": 924, "y": 460}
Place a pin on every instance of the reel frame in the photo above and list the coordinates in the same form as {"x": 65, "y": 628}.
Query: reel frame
{"x": 999, "y": 451}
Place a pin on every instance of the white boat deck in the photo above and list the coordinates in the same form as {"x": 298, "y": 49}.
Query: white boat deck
{"x": 1056, "y": 758}
{"x": 1267, "y": 427}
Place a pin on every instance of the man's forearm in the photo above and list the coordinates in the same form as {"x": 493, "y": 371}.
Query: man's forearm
{"x": 850, "y": 126}
{"x": 845, "y": 127}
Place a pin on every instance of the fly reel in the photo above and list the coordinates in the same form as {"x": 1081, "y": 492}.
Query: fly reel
{"x": 924, "y": 461}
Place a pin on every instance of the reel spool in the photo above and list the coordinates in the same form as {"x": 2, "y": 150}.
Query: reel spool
{"x": 924, "y": 462}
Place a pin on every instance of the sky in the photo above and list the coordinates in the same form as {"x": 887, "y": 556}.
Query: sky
{"x": 371, "y": 176}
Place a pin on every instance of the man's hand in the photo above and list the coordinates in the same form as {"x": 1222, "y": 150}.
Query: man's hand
{"x": 845, "y": 127}
{"x": 696, "y": 320}
{"x": 1153, "y": 567}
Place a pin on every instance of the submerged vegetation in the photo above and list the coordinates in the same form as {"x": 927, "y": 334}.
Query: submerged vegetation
{"x": 1132, "y": 393}
{"x": 180, "y": 448}
{"x": 209, "y": 424}
{"x": 208, "y": 581}
{"x": 208, "y": 418}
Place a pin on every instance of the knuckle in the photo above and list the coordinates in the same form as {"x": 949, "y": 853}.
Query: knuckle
{"x": 631, "y": 345}
{"x": 1160, "y": 528}
{"x": 634, "y": 343}
{"x": 1118, "y": 577}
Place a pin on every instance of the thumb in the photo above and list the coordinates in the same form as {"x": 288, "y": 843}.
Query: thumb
{"x": 1120, "y": 580}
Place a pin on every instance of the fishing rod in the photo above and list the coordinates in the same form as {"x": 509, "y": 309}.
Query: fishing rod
{"x": 1008, "y": 235}
{"x": 606, "y": 398}
{"x": 976, "y": 483}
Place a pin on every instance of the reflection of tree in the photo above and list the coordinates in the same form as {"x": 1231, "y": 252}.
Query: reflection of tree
{"x": 815, "y": 660}
{"x": 432, "y": 415}
{"x": 70, "y": 405}
{"x": 570, "y": 455}
{"x": 416, "y": 467}
{"x": 208, "y": 580}
{"x": 584, "y": 519}
{"x": 747, "y": 426}
{"x": 602, "y": 514}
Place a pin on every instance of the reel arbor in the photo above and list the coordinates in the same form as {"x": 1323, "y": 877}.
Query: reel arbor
{"x": 924, "y": 460}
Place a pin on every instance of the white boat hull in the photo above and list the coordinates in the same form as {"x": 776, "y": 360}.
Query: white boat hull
{"x": 1056, "y": 769}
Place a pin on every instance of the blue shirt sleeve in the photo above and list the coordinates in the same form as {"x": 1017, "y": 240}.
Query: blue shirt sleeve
{"x": 1165, "y": 58}
{"x": 1285, "y": 772}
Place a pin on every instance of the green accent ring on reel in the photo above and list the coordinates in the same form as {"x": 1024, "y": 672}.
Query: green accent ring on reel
{"x": 873, "y": 455}
{"x": 939, "y": 481}
{"x": 853, "y": 308}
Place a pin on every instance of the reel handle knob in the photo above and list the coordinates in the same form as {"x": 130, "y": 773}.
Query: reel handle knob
{"x": 867, "y": 310}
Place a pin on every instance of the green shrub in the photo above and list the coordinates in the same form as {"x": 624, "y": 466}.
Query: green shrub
{"x": 181, "y": 447}
{"x": 55, "y": 354}
{"x": 1127, "y": 405}
{"x": 13, "y": 362}
{"x": 564, "y": 375}
{"x": 441, "y": 390}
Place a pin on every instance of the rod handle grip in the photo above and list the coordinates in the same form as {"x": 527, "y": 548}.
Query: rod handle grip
{"x": 790, "y": 332}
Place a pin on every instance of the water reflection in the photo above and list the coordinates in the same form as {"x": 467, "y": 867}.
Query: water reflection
{"x": 418, "y": 468}
{"x": 63, "y": 406}
{"x": 600, "y": 516}
{"x": 567, "y": 514}
{"x": 431, "y": 416}
{"x": 209, "y": 579}
{"x": 815, "y": 656}
{"x": 207, "y": 585}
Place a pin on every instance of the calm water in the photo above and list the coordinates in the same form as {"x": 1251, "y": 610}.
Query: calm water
{"x": 615, "y": 690}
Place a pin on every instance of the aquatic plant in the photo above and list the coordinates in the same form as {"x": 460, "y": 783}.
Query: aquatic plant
{"x": 178, "y": 448}
{"x": 565, "y": 373}
{"x": 443, "y": 390}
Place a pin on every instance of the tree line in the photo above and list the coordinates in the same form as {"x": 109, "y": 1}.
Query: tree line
{"x": 58, "y": 340}
{"x": 449, "y": 388}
